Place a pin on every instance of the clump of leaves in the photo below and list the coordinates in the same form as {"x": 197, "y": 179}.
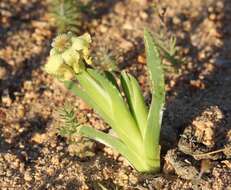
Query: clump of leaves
{"x": 105, "y": 61}
{"x": 66, "y": 15}
{"x": 166, "y": 42}
{"x": 167, "y": 48}
{"x": 70, "y": 122}
{"x": 136, "y": 125}
{"x": 79, "y": 145}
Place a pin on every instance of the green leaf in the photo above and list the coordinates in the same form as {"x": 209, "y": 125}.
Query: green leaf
{"x": 95, "y": 91}
{"x": 73, "y": 87}
{"x": 155, "y": 68}
{"x": 130, "y": 154}
{"x": 125, "y": 125}
{"x": 135, "y": 101}
{"x": 110, "y": 76}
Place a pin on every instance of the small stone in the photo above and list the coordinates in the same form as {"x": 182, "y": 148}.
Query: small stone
{"x": 27, "y": 176}
{"x": 143, "y": 15}
{"x": 6, "y": 100}
{"x": 28, "y": 85}
{"x": 197, "y": 84}
{"x": 126, "y": 45}
{"x": 127, "y": 26}
{"x": 9, "y": 173}
{"x": 39, "y": 138}
{"x": 176, "y": 20}
{"x": 55, "y": 160}
{"x": 212, "y": 17}
{"x": 133, "y": 179}
{"x": 16, "y": 164}
{"x": 141, "y": 59}
{"x": 120, "y": 9}
{"x": 21, "y": 111}
{"x": 30, "y": 96}
{"x": 187, "y": 26}
{"x": 50, "y": 171}
{"x": 103, "y": 28}
{"x": 3, "y": 73}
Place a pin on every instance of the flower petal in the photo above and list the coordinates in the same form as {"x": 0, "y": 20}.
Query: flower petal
{"x": 81, "y": 42}
{"x": 65, "y": 73}
{"x": 71, "y": 57}
{"x": 53, "y": 64}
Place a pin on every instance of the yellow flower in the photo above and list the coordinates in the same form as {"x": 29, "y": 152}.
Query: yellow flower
{"x": 65, "y": 73}
{"x": 58, "y": 68}
{"x": 81, "y": 42}
{"x": 53, "y": 64}
{"x": 68, "y": 55}
{"x": 86, "y": 56}
{"x": 71, "y": 57}
{"x": 61, "y": 42}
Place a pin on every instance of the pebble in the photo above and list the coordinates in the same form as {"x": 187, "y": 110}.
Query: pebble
{"x": 6, "y": 100}
{"x": 3, "y": 73}
{"x": 141, "y": 59}
{"x": 9, "y": 173}
{"x": 212, "y": 17}
{"x": 103, "y": 28}
{"x": 126, "y": 45}
{"x": 133, "y": 179}
{"x": 143, "y": 15}
{"x": 28, "y": 85}
{"x": 120, "y": 8}
{"x": 28, "y": 176}
{"x": 39, "y": 138}
{"x": 176, "y": 21}
{"x": 55, "y": 160}
{"x": 127, "y": 26}
{"x": 50, "y": 171}
{"x": 21, "y": 111}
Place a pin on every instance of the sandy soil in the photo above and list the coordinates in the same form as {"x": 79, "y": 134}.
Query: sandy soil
{"x": 197, "y": 119}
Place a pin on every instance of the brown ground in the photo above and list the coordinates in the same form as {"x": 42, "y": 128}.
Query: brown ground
{"x": 197, "y": 119}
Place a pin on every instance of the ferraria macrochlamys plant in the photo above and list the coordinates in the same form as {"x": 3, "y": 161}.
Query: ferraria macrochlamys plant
{"x": 136, "y": 126}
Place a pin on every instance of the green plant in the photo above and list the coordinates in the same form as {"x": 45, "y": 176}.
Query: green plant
{"x": 167, "y": 48}
{"x": 78, "y": 145}
{"x": 105, "y": 61}
{"x": 67, "y": 115}
{"x": 66, "y": 15}
{"x": 136, "y": 126}
{"x": 165, "y": 40}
